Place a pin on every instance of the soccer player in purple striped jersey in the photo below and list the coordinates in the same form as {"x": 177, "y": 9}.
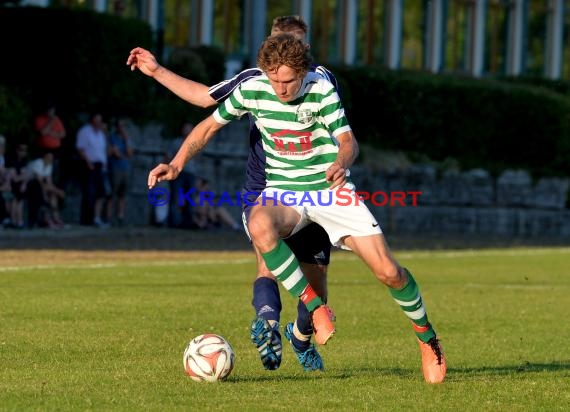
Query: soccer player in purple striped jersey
{"x": 311, "y": 245}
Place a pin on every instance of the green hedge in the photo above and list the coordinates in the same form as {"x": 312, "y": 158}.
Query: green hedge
{"x": 201, "y": 64}
{"x": 77, "y": 58}
{"x": 14, "y": 115}
{"x": 481, "y": 123}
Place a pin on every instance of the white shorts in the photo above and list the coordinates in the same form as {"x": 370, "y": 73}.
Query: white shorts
{"x": 340, "y": 212}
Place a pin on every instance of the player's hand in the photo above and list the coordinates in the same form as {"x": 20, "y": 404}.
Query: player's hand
{"x": 336, "y": 175}
{"x": 161, "y": 173}
{"x": 143, "y": 60}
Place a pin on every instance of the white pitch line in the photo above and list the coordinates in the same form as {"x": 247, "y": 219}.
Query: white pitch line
{"x": 510, "y": 286}
{"x": 129, "y": 264}
{"x": 453, "y": 254}
{"x": 490, "y": 252}
{"x": 336, "y": 256}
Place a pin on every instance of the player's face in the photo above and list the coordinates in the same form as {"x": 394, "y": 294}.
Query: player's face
{"x": 285, "y": 82}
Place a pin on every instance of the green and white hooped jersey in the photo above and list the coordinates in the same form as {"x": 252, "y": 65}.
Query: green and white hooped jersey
{"x": 299, "y": 137}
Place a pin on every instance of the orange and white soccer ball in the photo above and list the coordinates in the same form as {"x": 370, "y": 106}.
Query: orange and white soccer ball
{"x": 208, "y": 357}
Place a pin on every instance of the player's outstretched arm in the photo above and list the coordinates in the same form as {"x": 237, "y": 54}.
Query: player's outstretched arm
{"x": 196, "y": 140}
{"x": 193, "y": 92}
{"x": 161, "y": 173}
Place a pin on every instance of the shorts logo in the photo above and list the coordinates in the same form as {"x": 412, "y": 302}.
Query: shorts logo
{"x": 320, "y": 258}
{"x": 320, "y": 255}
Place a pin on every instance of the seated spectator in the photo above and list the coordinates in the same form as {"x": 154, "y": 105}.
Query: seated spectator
{"x": 209, "y": 215}
{"x": 5, "y": 189}
{"x": 43, "y": 195}
{"x": 16, "y": 164}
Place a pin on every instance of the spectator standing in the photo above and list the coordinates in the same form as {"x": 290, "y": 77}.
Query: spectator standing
{"x": 43, "y": 195}
{"x": 91, "y": 145}
{"x": 119, "y": 157}
{"x": 181, "y": 215}
{"x": 51, "y": 132}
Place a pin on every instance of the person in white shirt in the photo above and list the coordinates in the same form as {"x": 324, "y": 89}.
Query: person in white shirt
{"x": 91, "y": 145}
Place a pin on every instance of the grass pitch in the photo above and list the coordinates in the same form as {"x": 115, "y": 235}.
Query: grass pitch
{"x": 100, "y": 330}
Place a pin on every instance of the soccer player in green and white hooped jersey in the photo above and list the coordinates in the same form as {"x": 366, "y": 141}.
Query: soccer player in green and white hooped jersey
{"x": 311, "y": 245}
{"x": 298, "y": 146}
{"x": 309, "y": 145}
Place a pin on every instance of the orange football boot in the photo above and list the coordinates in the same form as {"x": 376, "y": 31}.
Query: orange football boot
{"x": 323, "y": 327}
{"x": 433, "y": 361}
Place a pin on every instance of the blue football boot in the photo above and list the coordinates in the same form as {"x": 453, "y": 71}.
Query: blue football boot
{"x": 309, "y": 359}
{"x": 267, "y": 340}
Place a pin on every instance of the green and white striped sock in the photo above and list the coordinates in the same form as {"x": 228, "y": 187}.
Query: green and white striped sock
{"x": 410, "y": 301}
{"x": 284, "y": 265}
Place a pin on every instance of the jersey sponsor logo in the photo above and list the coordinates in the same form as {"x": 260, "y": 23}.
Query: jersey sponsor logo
{"x": 292, "y": 142}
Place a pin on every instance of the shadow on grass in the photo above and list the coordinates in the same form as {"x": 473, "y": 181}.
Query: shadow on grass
{"x": 337, "y": 375}
{"x": 510, "y": 369}
{"x": 455, "y": 374}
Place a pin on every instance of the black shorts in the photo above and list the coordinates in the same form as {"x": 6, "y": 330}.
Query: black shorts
{"x": 310, "y": 244}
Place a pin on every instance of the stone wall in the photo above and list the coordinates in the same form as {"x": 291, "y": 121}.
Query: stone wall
{"x": 453, "y": 202}
{"x": 468, "y": 202}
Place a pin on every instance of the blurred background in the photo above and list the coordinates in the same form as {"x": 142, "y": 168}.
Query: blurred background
{"x": 465, "y": 99}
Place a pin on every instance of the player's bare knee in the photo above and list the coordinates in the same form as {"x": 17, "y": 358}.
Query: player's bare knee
{"x": 257, "y": 229}
{"x": 390, "y": 276}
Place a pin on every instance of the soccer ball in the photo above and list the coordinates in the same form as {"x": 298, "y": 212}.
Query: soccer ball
{"x": 208, "y": 357}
